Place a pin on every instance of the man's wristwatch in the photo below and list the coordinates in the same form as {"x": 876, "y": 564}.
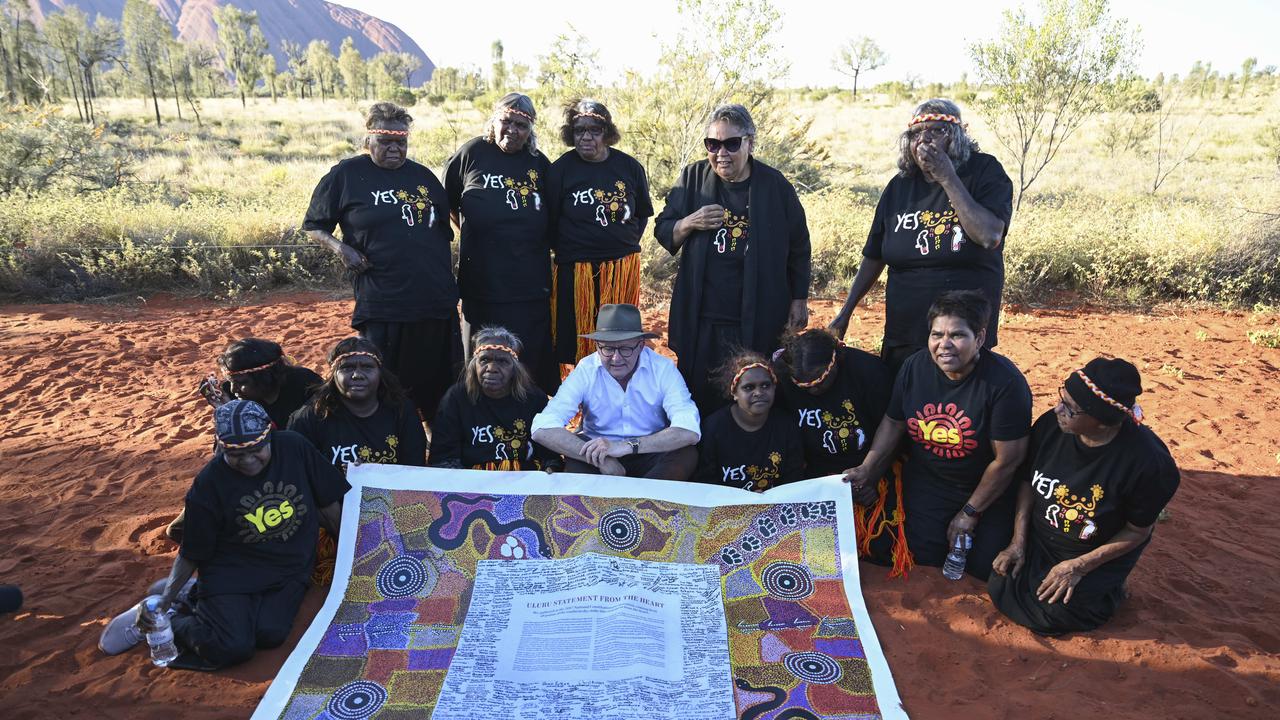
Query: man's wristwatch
{"x": 971, "y": 511}
{"x": 635, "y": 445}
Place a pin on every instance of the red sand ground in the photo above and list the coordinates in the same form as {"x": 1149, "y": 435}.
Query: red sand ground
{"x": 103, "y": 431}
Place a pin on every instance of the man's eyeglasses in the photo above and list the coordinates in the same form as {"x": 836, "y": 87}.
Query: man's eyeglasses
{"x": 593, "y": 131}
{"x": 1066, "y": 409}
{"x": 733, "y": 144}
{"x": 624, "y": 351}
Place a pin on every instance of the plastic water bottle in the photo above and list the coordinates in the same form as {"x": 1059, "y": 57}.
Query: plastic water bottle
{"x": 163, "y": 650}
{"x": 953, "y": 567}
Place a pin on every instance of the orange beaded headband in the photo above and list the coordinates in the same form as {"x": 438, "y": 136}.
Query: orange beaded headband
{"x": 249, "y": 444}
{"x": 382, "y": 131}
{"x": 525, "y": 115}
{"x": 934, "y": 117}
{"x": 590, "y": 114}
{"x": 502, "y": 348}
{"x": 1134, "y": 413}
{"x": 751, "y": 366}
{"x": 344, "y": 356}
{"x": 818, "y": 380}
{"x": 246, "y": 371}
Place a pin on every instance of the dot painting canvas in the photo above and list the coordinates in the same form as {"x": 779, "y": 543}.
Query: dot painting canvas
{"x": 800, "y": 643}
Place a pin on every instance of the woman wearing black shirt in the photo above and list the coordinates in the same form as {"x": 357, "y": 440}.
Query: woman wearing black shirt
{"x": 746, "y": 444}
{"x": 496, "y": 185}
{"x": 836, "y": 396}
{"x": 258, "y": 370}
{"x": 939, "y": 226}
{"x": 1088, "y": 499}
{"x": 360, "y": 414}
{"x": 744, "y": 252}
{"x": 966, "y": 411}
{"x": 600, "y": 205}
{"x": 484, "y": 420}
{"x": 395, "y": 243}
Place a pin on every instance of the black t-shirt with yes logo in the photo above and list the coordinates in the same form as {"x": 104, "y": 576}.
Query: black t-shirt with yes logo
{"x": 599, "y": 209}
{"x": 726, "y": 254}
{"x": 399, "y": 220}
{"x": 251, "y": 534}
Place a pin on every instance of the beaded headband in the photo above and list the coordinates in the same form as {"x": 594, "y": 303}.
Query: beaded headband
{"x": 382, "y": 131}
{"x": 246, "y": 371}
{"x": 818, "y": 380}
{"x": 1133, "y": 413}
{"x": 249, "y": 444}
{"x": 751, "y": 366}
{"x": 590, "y": 114}
{"x": 502, "y": 348}
{"x": 521, "y": 113}
{"x": 934, "y": 117}
{"x": 344, "y": 356}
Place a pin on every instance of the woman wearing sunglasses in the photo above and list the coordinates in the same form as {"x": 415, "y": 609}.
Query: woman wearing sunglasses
{"x": 744, "y": 255}
{"x": 600, "y": 206}
{"x": 939, "y": 226}
{"x": 1088, "y": 500}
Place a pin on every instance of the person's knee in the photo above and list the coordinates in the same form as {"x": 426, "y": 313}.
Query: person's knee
{"x": 272, "y": 637}
{"x": 225, "y": 652}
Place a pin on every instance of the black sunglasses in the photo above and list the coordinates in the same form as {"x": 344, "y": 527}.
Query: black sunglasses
{"x": 732, "y": 144}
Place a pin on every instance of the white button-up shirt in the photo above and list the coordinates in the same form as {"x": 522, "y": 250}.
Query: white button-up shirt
{"x": 656, "y": 397}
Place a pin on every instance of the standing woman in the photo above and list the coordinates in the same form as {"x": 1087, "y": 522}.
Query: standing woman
{"x": 600, "y": 205}
{"x": 744, "y": 254}
{"x": 496, "y": 185}
{"x": 967, "y": 412}
{"x": 939, "y": 226}
{"x": 395, "y": 243}
{"x": 1087, "y": 504}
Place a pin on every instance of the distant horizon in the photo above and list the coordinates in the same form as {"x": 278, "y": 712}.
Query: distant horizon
{"x": 1172, "y": 35}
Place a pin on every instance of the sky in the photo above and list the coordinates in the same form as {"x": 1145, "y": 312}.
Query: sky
{"x": 1173, "y": 33}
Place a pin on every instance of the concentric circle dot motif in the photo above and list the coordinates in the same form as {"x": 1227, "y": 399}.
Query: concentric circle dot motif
{"x": 402, "y": 576}
{"x": 620, "y": 529}
{"x": 787, "y": 580}
{"x": 813, "y": 667}
{"x": 357, "y": 700}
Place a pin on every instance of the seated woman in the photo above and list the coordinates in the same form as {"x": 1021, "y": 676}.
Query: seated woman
{"x": 836, "y": 396}
{"x": 258, "y": 370}
{"x": 967, "y": 412}
{"x": 360, "y": 414}
{"x": 1088, "y": 500}
{"x": 745, "y": 445}
{"x": 484, "y": 419}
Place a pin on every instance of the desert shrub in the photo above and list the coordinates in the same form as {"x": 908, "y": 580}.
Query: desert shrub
{"x": 40, "y": 149}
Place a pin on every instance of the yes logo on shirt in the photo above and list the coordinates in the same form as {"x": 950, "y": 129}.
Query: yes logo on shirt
{"x": 507, "y": 444}
{"x": 934, "y": 227}
{"x": 272, "y": 513}
{"x": 519, "y": 194}
{"x": 735, "y": 230}
{"x": 943, "y": 430}
{"x": 754, "y": 477}
{"x": 416, "y": 206}
{"x": 612, "y": 204}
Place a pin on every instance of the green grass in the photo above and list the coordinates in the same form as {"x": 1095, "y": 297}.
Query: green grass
{"x": 203, "y": 200}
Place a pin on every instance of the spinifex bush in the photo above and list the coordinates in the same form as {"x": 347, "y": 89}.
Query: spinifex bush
{"x": 40, "y": 149}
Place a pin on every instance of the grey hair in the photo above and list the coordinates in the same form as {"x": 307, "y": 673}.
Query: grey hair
{"x": 515, "y": 101}
{"x": 734, "y": 114}
{"x": 386, "y": 112}
{"x": 521, "y": 380}
{"x": 959, "y": 148}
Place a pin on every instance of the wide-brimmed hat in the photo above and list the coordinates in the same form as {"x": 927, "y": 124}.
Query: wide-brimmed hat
{"x": 618, "y": 322}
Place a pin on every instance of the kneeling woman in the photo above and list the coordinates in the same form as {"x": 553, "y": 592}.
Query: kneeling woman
{"x": 483, "y": 422}
{"x": 745, "y": 445}
{"x": 258, "y": 370}
{"x": 361, "y": 414}
{"x": 1094, "y": 488}
{"x": 967, "y": 412}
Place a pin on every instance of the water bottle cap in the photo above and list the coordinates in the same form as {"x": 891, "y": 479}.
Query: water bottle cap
{"x": 152, "y": 603}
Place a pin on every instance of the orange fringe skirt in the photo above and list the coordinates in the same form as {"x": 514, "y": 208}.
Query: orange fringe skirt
{"x": 326, "y": 559}
{"x": 595, "y": 283}
{"x": 872, "y": 522}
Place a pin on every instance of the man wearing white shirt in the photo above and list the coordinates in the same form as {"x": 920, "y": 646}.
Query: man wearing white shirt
{"x": 637, "y": 417}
